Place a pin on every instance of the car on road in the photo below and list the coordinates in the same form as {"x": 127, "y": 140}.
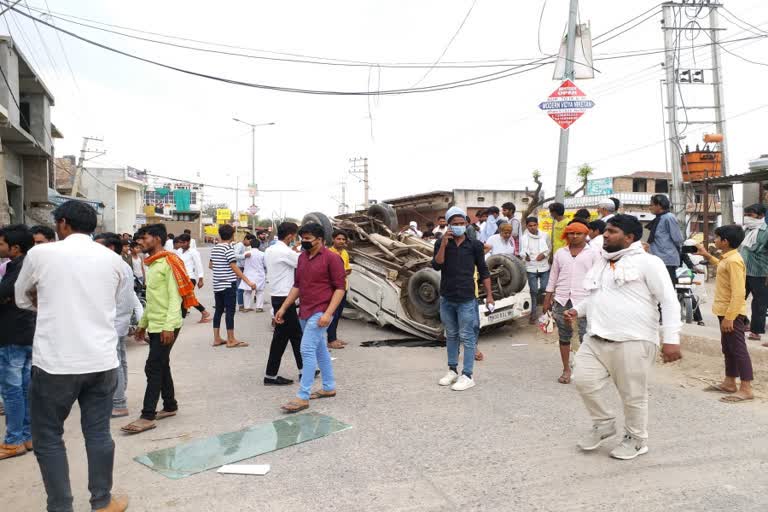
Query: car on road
{"x": 393, "y": 282}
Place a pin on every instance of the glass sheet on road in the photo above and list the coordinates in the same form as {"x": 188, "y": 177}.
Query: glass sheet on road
{"x": 203, "y": 454}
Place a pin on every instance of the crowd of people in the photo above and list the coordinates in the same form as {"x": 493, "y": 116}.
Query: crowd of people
{"x": 590, "y": 271}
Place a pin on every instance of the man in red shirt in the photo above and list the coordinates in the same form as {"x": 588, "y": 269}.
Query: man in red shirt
{"x": 320, "y": 284}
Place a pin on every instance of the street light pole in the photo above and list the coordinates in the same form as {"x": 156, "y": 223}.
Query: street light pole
{"x": 253, "y": 158}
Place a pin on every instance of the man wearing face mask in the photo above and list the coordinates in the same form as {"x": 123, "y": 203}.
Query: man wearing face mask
{"x": 281, "y": 263}
{"x": 320, "y": 284}
{"x": 457, "y": 257}
{"x": 625, "y": 290}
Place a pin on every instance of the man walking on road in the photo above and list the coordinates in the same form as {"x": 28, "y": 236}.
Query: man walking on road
{"x": 625, "y": 290}
{"x": 18, "y": 329}
{"x": 565, "y": 288}
{"x": 168, "y": 291}
{"x": 73, "y": 285}
{"x": 457, "y": 257}
{"x": 281, "y": 263}
{"x": 534, "y": 249}
{"x": 665, "y": 238}
{"x": 339, "y": 247}
{"x": 730, "y": 307}
{"x": 754, "y": 252}
{"x": 195, "y": 270}
{"x": 320, "y": 286}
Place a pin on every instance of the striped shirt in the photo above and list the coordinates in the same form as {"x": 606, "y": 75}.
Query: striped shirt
{"x": 222, "y": 256}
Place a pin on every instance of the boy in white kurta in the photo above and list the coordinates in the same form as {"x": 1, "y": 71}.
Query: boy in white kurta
{"x": 255, "y": 269}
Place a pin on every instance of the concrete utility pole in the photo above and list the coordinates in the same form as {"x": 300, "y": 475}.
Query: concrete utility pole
{"x": 726, "y": 193}
{"x": 364, "y": 172}
{"x": 81, "y": 164}
{"x": 670, "y": 34}
{"x": 570, "y": 53}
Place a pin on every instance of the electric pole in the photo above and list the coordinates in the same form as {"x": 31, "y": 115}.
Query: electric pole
{"x": 356, "y": 170}
{"x": 81, "y": 164}
{"x": 570, "y": 53}
{"x": 726, "y": 193}
{"x": 252, "y": 185}
{"x": 670, "y": 34}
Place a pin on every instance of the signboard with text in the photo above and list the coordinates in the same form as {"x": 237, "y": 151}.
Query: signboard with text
{"x": 600, "y": 187}
{"x": 566, "y": 105}
{"x": 223, "y": 215}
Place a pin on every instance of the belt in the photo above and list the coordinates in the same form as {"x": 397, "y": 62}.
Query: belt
{"x": 600, "y": 338}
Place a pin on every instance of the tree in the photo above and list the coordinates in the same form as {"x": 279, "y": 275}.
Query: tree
{"x": 537, "y": 198}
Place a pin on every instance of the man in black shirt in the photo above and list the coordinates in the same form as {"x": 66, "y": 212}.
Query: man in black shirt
{"x": 457, "y": 257}
{"x": 15, "y": 344}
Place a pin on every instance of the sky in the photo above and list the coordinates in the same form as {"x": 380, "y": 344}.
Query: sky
{"x": 490, "y": 135}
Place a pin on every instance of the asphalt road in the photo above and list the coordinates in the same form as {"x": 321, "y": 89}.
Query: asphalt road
{"x": 507, "y": 444}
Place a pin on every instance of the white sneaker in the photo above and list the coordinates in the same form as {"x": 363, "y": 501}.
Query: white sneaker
{"x": 449, "y": 378}
{"x": 463, "y": 383}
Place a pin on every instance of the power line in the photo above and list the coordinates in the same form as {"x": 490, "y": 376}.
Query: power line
{"x": 447, "y": 46}
{"x": 63, "y": 51}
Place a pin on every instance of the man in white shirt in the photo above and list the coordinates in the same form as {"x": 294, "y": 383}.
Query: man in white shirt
{"x": 606, "y": 210}
{"x": 169, "y": 243}
{"x": 281, "y": 263}
{"x": 73, "y": 284}
{"x": 622, "y": 309}
{"x": 194, "y": 266}
{"x": 508, "y": 213}
{"x": 501, "y": 243}
{"x": 127, "y": 304}
{"x": 192, "y": 242}
{"x": 240, "y": 248}
{"x": 442, "y": 226}
{"x": 490, "y": 227}
{"x": 596, "y": 230}
{"x": 534, "y": 250}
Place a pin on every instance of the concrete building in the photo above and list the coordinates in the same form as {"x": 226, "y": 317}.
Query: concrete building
{"x": 26, "y": 140}
{"x": 426, "y": 207}
{"x": 121, "y": 191}
{"x": 177, "y": 203}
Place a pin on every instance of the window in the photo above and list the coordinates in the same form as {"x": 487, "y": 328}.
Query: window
{"x": 662, "y": 187}
{"x": 193, "y": 199}
{"x": 639, "y": 185}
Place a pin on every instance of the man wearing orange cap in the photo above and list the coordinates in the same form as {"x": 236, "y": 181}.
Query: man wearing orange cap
{"x": 565, "y": 288}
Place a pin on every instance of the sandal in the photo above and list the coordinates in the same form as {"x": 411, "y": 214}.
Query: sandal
{"x": 294, "y": 406}
{"x": 753, "y": 336}
{"x": 322, "y": 394}
{"x": 718, "y": 388}
{"x": 735, "y": 399}
{"x": 165, "y": 414}
{"x": 335, "y": 345}
{"x": 120, "y": 413}
{"x": 239, "y": 344}
{"x": 137, "y": 428}
{"x": 565, "y": 378}
{"x": 479, "y": 356}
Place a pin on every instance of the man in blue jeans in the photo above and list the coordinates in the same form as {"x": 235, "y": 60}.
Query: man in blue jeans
{"x": 320, "y": 284}
{"x": 457, "y": 257}
{"x": 15, "y": 345}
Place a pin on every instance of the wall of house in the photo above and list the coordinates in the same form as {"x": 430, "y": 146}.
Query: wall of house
{"x": 476, "y": 199}
{"x": 177, "y": 227}
{"x": 9, "y": 61}
{"x": 40, "y": 119}
{"x": 125, "y": 210}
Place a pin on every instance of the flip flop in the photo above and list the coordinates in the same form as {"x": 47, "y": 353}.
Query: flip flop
{"x": 294, "y": 406}
{"x": 239, "y": 344}
{"x": 322, "y": 394}
{"x": 165, "y": 414}
{"x": 134, "y": 428}
{"x": 205, "y": 320}
{"x": 718, "y": 388}
{"x": 733, "y": 399}
{"x": 219, "y": 344}
{"x": 754, "y": 337}
{"x": 121, "y": 415}
{"x": 564, "y": 380}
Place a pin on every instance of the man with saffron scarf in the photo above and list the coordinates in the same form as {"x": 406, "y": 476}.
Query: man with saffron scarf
{"x": 168, "y": 291}
{"x": 565, "y": 288}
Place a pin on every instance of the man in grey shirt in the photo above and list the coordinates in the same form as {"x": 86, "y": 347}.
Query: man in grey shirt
{"x": 665, "y": 238}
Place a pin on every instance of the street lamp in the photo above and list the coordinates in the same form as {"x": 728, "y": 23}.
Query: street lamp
{"x": 253, "y": 154}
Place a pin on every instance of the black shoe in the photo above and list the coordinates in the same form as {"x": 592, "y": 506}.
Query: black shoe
{"x": 279, "y": 381}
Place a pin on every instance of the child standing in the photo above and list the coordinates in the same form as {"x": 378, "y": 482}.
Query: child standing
{"x": 730, "y": 307}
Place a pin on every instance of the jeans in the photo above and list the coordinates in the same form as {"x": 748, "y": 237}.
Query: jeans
{"x": 159, "y": 379}
{"x": 225, "y": 300}
{"x": 336, "y": 317}
{"x": 738, "y": 364}
{"x": 314, "y": 354}
{"x": 537, "y": 281}
{"x": 118, "y": 400}
{"x": 288, "y": 330}
{"x": 51, "y": 398}
{"x": 15, "y": 366}
{"x": 461, "y": 321}
{"x": 565, "y": 327}
{"x": 756, "y": 286}
{"x": 239, "y": 291}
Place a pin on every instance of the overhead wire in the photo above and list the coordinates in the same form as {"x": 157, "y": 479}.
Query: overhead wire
{"x": 63, "y": 51}
{"x": 447, "y": 46}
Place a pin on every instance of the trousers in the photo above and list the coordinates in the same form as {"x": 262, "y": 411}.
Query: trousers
{"x": 159, "y": 378}
{"x": 51, "y": 398}
{"x": 290, "y": 330}
{"x": 738, "y": 364}
{"x": 756, "y": 286}
{"x": 628, "y": 365}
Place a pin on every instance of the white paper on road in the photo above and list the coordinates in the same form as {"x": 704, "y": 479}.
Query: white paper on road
{"x": 518, "y": 345}
{"x": 245, "y": 469}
